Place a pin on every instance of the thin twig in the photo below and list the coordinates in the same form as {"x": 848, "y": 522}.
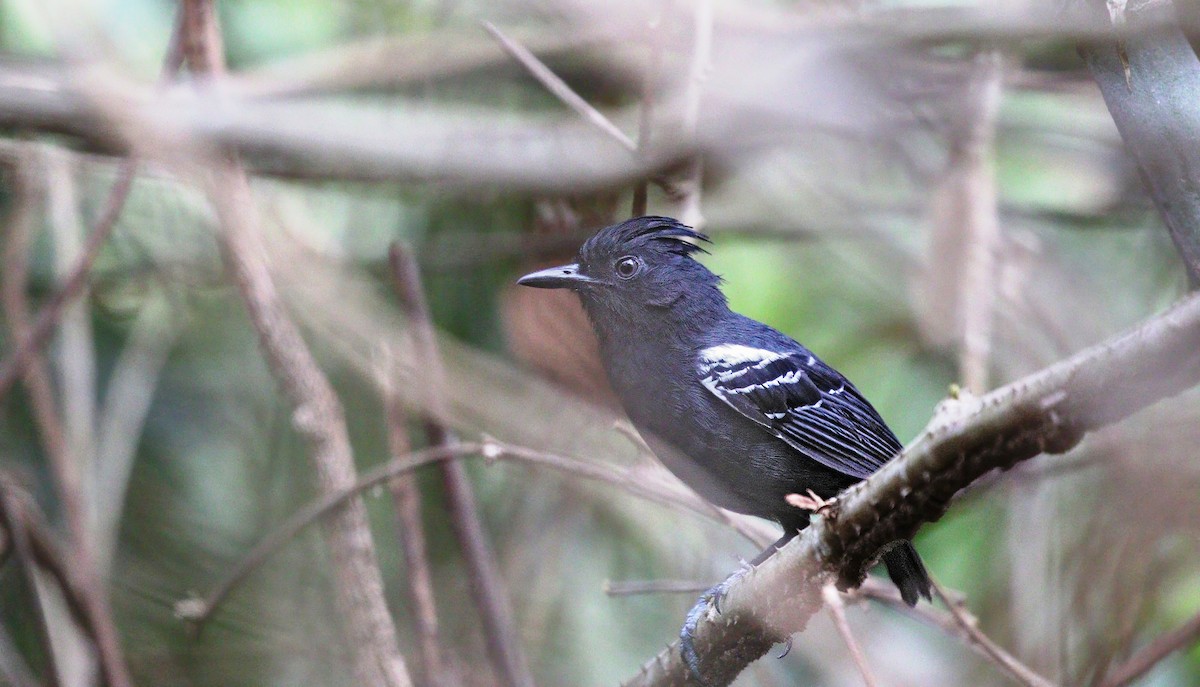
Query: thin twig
{"x": 10, "y": 515}
{"x": 198, "y": 611}
{"x": 979, "y": 221}
{"x": 406, "y": 495}
{"x": 1150, "y": 655}
{"x": 887, "y": 594}
{"x": 64, "y": 466}
{"x": 691, "y": 182}
{"x": 318, "y": 413}
{"x": 638, "y": 587}
{"x": 837, "y": 610}
{"x": 72, "y": 286}
{"x": 1019, "y": 671}
{"x": 559, "y": 88}
{"x": 641, "y": 190}
{"x": 487, "y": 585}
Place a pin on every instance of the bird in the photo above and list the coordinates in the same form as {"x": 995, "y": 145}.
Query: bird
{"x": 738, "y": 411}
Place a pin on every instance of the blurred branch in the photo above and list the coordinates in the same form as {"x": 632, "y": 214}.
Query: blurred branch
{"x": 12, "y": 666}
{"x": 317, "y": 411}
{"x": 18, "y": 536}
{"x": 1149, "y": 656}
{"x": 970, "y": 626}
{"x": 71, "y": 287}
{"x": 396, "y": 61}
{"x": 64, "y": 465}
{"x": 636, "y": 587}
{"x": 687, "y": 189}
{"x": 559, "y": 88}
{"x": 406, "y": 496}
{"x": 198, "y": 611}
{"x": 1049, "y": 411}
{"x": 452, "y": 146}
{"x": 649, "y": 77}
{"x": 487, "y": 585}
{"x": 837, "y": 609}
{"x": 1149, "y": 79}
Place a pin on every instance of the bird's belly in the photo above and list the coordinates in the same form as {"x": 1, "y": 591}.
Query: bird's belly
{"x": 746, "y": 472}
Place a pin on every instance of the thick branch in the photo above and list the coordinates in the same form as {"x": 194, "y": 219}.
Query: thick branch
{"x": 1045, "y": 412}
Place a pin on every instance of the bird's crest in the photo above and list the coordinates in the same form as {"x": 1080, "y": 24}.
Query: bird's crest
{"x": 680, "y": 238}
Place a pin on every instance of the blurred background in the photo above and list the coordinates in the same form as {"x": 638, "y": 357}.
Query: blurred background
{"x": 925, "y": 194}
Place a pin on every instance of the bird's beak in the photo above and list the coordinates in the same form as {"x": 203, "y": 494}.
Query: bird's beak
{"x": 561, "y": 277}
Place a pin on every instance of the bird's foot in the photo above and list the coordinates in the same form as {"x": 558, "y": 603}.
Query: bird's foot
{"x": 709, "y": 599}
{"x": 814, "y": 503}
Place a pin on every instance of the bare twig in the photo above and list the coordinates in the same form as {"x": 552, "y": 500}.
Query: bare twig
{"x": 837, "y": 610}
{"x": 1150, "y": 655}
{"x": 1049, "y": 411}
{"x": 650, "y": 74}
{"x": 1019, "y": 671}
{"x": 406, "y": 495}
{"x": 487, "y": 585}
{"x": 884, "y": 593}
{"x": 64, "y": 465}
{"x": 199, "y": 610}
{"x": 10, "y": 514}
{"x": 559, "y": 88}
{"x": 71, "y": 287}
{"x": 636, "y": 587}
{"x": 318, "y": 414}
{"x": 691, "y": 183}
{"x": 979, "y": 222}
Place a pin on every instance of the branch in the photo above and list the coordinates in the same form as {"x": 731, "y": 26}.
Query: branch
{"x": 406, "y": 495}
{"x": 198, "y": 611}
{"x": 1049, "y": 411}
{"x": 317, "y": 411}
{"x": 1149, "y": 80}
{"x": 559, "y": 88}
{"x": 1019, "y": 671}
{"x": 487, "y": 585}
{"x": 73, "y": 285}
{"x": 1166, "y": 644}
{"x": 64, "y": 465}
{"x": 837, "y": 609}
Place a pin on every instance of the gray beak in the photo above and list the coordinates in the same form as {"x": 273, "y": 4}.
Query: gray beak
{"x": 562, "y": 277}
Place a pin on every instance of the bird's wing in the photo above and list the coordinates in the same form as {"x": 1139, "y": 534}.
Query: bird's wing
{"x": 802, "y": 401}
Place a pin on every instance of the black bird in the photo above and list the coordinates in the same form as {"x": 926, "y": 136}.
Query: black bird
{"x": 738, "y": 411}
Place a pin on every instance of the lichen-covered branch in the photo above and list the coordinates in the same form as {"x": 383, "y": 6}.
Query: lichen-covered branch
{"x": 1047, "y": 412}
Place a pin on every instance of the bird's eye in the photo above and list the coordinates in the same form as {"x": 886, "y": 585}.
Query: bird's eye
{"x": 628, "y": 266}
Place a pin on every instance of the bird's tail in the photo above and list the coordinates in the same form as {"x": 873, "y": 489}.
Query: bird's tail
{"x": 907, "y": 571}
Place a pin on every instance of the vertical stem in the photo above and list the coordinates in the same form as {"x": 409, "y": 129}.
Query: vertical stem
{"x": 406, "y": 495}
{"x": 487, "y": 586}
{"x": 318, "y": 414}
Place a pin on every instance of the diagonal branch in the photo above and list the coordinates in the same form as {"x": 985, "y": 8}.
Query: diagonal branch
{"x": 1047, "y": 412}
{"x": 317, "y": 412}
{"x": 559, "y": 88}
{"x": 1164, "y": 645}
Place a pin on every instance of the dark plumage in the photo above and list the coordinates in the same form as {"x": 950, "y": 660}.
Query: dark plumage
{"x": 740, "y": 412}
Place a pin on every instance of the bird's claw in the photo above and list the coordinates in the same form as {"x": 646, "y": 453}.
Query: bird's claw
{"x": 787, "y": 647}
{"x": 711, "y": 598}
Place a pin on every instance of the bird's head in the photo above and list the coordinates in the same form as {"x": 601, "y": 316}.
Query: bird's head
{"x": 640, "y": 266}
